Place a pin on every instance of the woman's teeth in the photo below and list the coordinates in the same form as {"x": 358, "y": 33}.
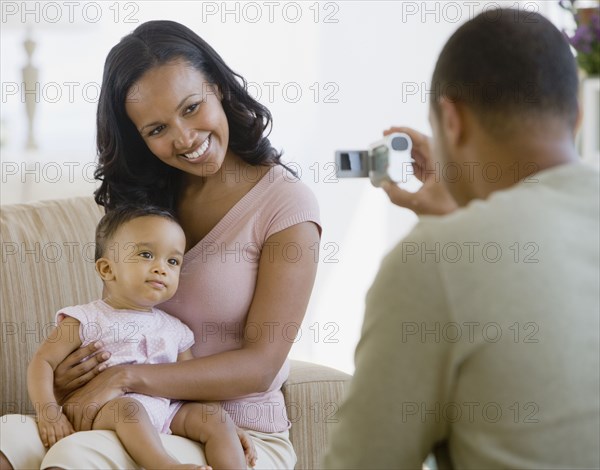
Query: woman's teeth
{"x": 198, "y": 153}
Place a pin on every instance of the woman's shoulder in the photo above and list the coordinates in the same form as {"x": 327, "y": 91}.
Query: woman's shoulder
{"x": 286, "y": 200}
{"x": 283, "y": 188}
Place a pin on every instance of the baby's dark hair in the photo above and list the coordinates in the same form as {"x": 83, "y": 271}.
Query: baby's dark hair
{"x": 115, "y": 218}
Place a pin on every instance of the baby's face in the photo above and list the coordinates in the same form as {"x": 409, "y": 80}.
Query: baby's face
{"x": 142, "y": 263}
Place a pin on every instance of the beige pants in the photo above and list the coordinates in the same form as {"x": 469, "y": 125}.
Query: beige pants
{"x": 21, "y": 444}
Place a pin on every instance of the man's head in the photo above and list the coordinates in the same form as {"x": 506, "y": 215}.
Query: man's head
{"x": 139, "y": 251}
{"x": 503, "y": 75}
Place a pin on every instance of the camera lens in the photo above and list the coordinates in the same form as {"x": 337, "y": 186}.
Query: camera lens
{"x": 399, "y": 143}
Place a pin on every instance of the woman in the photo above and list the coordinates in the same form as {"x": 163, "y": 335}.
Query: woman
{"x": 176, "y": 128}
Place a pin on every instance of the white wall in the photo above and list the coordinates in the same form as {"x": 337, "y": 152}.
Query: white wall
{"x": 371, "y": 62}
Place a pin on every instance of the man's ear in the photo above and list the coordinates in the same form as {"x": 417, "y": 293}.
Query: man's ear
{"x": 452, "y": 121}
{"x": 104, "y": 269}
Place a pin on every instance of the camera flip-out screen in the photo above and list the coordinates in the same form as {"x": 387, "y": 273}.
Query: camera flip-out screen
{"x": 388, "y": 159}
{"x": 352, "y": 163}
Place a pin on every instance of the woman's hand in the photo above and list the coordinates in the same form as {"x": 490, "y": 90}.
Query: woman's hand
{"x": 83, "y": 405}
{"x": 433, "y": 198}
{"x": 248, "y": 445}
{"x": 72, "y": 373}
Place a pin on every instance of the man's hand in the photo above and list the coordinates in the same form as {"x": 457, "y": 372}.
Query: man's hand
{"x": 72, "y": 373}
{"x": 432, "y": 198}
{"x": 248, "y": 445}
{"x": 53, "y": 428}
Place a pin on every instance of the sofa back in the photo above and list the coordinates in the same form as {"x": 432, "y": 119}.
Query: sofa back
{"x": 47, "y": 253}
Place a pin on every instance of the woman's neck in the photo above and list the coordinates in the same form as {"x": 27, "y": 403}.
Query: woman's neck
{"x": 233, "y": 176}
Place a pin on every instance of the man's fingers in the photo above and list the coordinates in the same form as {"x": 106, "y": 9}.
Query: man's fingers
{"x": 421, "y": 148}
{"x": 406, "y": 130}
{"x": 399, "y": 196}
{"x": 417, "y": 138}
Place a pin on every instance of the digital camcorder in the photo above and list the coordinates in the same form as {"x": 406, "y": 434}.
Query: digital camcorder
{"x": 387, "y": 159}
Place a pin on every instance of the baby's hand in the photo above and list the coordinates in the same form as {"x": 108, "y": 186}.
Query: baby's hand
{"x": 248, "y": 446}
{"x": 53, "y": 429}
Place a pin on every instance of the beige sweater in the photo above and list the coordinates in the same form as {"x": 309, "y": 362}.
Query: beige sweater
{"x": 480, "y": 338}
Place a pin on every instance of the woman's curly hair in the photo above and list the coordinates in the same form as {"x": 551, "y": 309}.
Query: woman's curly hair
{"x": 127, "y": 169}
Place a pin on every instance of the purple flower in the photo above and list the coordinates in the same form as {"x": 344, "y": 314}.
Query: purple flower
{"x": 595, "y": 23}
{"x": 586, "y": 37}
{"x": 579, "y": 38}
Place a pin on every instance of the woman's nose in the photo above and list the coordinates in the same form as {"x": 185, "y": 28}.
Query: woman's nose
{"x": 184, "y": 139}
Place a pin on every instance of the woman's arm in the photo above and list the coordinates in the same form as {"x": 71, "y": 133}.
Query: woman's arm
{"x": 280, "y": 299}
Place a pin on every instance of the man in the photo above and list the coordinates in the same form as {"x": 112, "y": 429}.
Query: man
{"x": 480, "y": 338}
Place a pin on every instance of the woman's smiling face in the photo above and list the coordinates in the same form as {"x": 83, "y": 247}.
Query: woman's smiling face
{"x": 179, "y": 115}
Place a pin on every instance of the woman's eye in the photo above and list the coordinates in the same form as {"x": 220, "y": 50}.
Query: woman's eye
{"x": 174, "y": 262}
{"x": 156, "y": 130}
{"x": 192, "y": 107}
{"x": 146, "y": 254}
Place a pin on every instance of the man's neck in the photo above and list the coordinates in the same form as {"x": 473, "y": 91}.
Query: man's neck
{"x": 500, "y": 165}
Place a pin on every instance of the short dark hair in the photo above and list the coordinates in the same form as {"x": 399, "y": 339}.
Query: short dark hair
{"x": 117, "y": 217}
{"x": 509, "y": 66}
{"x": 127, "y": 168}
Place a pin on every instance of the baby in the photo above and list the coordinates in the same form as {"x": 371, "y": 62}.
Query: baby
{"x": 139, "y": 251}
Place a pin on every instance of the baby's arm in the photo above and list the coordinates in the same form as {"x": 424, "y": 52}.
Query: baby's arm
{"x": 52, "y": 422}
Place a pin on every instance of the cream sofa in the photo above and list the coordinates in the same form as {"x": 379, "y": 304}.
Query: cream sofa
{"x": 47, "y": 263}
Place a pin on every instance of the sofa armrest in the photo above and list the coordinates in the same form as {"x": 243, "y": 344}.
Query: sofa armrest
{"x": 313, "y": 394}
